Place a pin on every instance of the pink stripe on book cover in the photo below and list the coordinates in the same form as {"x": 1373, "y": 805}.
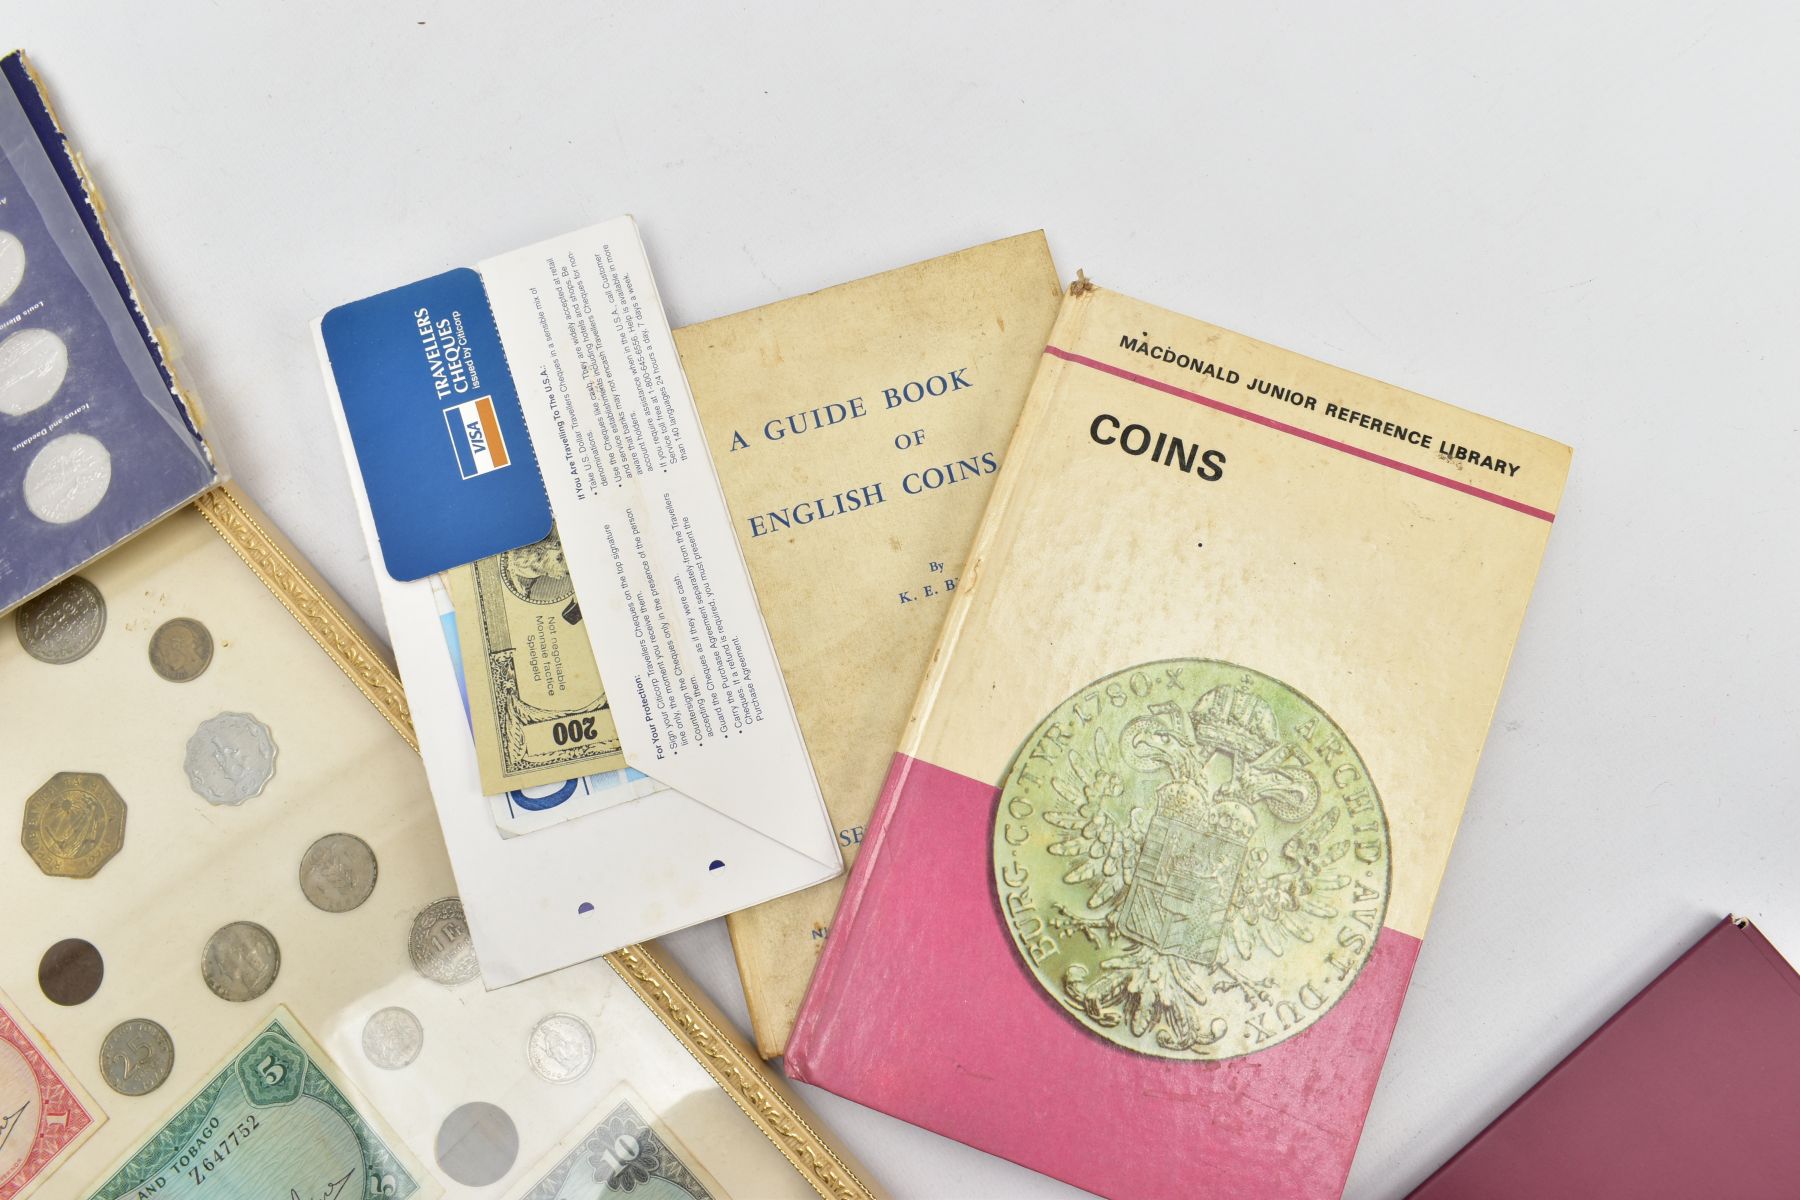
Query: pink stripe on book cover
{"x": 1295, "y": 431}
{"x": 922, "y": 1009}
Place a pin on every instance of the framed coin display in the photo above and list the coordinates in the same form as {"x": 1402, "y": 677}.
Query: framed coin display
{"x": 237, "y": 960}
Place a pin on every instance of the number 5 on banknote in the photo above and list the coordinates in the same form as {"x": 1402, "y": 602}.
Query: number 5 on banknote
{"x": 276, "y": 1120}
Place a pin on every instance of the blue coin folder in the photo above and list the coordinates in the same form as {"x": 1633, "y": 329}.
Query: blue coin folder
{"x": 99, "y": 439}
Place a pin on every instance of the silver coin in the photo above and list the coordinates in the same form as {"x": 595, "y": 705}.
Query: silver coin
{"x": 240, "y": 962}
{"x": 33, "y": 362}
{"x": 561, "y": 1048}
{"x": 230, "y": 758}
{"x": 392, "y": 1038}
{"x": 62, "y": 624}
{"x": 68, "y": 478}
{"x": 12, "y": 267}
{"x": 337, "y": 872}
{"x": 136, "y": 1057}
{"x": 181, "y": 650}
{"x": 440, "y": 946}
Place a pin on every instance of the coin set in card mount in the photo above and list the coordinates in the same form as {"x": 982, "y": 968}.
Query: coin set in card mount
{"x": 246, "y": 868}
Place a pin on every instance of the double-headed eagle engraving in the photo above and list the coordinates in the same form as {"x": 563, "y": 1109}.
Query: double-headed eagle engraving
{"x": 1164, "y": 831}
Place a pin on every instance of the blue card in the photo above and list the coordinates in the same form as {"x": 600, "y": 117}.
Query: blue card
{"x": 439, "y": 436}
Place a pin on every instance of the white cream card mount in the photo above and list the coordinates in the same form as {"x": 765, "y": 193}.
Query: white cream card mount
{"x": 696, "y": 692}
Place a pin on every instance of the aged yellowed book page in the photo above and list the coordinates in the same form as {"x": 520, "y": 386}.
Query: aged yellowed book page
{"x": 857, "y": 431}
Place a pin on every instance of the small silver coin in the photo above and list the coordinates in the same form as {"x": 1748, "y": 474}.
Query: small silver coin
{"x": 230, "y": 758}
{"x": 392, "y": 1038}
{"x": 181, "y": 650}
{"x": 62, "y": 624}
{"x": 240, "y": 962}
{"x": 136, "y": 1057}
{"x": 561, "y": 1048}
{"x": 337, "y": 872}
{"x": 440, "y": 946}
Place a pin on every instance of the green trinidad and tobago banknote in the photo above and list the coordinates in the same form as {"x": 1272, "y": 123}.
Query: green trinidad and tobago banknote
{"x": 273, "y": 1122}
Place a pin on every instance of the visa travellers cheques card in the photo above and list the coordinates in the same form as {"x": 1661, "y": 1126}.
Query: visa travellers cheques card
{"x": 475, "y": 407}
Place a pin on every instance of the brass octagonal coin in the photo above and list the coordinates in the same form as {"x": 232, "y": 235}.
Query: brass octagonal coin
{"x": 74, "y": 824}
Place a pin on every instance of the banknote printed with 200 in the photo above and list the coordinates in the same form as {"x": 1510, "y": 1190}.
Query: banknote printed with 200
{"x": 536, "y": 702}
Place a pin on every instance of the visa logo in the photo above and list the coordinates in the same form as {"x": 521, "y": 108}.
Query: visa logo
{"x": 475, "y": 437}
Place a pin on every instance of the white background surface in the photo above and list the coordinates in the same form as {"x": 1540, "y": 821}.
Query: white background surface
{"x": 1578, "y": 219}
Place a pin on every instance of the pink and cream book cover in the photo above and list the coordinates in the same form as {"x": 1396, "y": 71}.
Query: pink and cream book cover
{"x": 1139, "y": 902}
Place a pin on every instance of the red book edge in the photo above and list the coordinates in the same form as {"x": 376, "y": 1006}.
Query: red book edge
{"x": 1728, "y": 925}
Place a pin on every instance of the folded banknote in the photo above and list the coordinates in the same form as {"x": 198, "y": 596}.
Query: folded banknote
{"x": 536, "y": 703}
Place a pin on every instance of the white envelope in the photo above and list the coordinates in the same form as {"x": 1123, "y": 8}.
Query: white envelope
{"x": 698, "y": 696}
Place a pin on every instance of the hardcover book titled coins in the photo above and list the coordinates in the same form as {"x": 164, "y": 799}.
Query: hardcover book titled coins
{"x": 1172, "y": 807}
{"x": 857, "y": 431}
